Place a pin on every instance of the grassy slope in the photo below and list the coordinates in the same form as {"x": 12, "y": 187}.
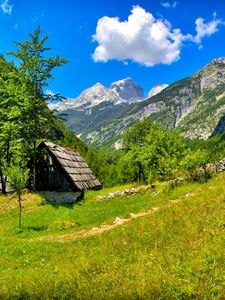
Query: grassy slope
{"x": 175, "y": 253}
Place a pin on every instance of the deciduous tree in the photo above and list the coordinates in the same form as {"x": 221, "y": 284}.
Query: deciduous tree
{"x": 13, "y": 95}
{"x": 37, "y": 69}
{"x": 18, "y": 177}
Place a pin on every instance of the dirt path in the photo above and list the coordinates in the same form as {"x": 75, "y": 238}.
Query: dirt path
{"x": 62, "y": 238}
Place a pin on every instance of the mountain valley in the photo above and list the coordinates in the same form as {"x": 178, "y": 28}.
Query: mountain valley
{"x": 194, "y": 105}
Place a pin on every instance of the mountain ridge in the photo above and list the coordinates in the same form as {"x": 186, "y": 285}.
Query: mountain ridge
{"x": 194, "y": 105}
{"x": 124, "y": 90}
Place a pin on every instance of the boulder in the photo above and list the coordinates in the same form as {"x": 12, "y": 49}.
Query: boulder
{"x": 64, "y": 198}
{"x": 126, "y": 192}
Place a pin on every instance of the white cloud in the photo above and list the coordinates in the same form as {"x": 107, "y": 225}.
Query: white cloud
{"x": 141, "y": 38}
{"x": 144, "y": 39}
{"x": 205, "y": 29}
{"x": 168, "y": 4}
{"x": 6, "y": 7}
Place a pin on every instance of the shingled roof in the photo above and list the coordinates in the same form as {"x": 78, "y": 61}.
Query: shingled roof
{"x": 72, "y": 163}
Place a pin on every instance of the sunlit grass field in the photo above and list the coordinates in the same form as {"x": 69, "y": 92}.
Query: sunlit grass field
{"x": 177, "y": 252}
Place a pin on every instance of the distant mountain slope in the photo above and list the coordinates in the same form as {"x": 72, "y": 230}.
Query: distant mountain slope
{"x": 98, "y": 105}
{"x": 122, "y": 91}
{"x": 195, "y": 105}
{"x": 87, "y": 123}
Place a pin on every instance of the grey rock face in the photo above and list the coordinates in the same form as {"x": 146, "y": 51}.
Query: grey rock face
{"x": 127, "y": 90}
{"x": 92, "y": 95}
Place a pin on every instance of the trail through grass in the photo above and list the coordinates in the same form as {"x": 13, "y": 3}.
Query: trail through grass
{"x": 177, "y": 252}
{"x": 104, "y": 228}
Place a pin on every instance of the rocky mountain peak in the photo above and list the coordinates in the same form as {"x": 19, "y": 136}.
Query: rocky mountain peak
{"x": 212, "y": 74}
{"x": 93, "y": 95}
{"x": 157, "y": 89}
{"x": 97, "y": 85}
{"x": 220, "y": 60}
{"x": 95, "y": 91}
{"x": 213, "y": 66}
{"x": 127, "y": 90}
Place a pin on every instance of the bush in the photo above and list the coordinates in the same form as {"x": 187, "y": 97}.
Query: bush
{"x": 194, "y": 165}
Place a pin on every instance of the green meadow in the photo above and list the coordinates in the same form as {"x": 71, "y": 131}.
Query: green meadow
{"x": 174, "y": 252}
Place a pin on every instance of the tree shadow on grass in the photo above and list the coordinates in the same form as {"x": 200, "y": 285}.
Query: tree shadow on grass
{"x": 30, "y": 228}
{"x": 36, "y": 227}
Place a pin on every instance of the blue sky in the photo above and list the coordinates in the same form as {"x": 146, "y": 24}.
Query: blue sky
{"x": 161, "y": 42}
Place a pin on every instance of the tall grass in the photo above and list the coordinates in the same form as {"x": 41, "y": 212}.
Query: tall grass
{"x": 175, "y": 253}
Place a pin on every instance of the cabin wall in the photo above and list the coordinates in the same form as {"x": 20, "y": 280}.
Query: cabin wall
{"x": 50, "y": 177}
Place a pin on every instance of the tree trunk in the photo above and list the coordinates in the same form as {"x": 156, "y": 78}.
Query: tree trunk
{"x": 3, "y": 183}
{"x": 35, "y": 175}
{"x": 35, "y": 169}
{"x": 20, "y": 210}
{"x": 35, "y": 130}
{"x": 139, "y": 173}
{"x": 143, "y": 174}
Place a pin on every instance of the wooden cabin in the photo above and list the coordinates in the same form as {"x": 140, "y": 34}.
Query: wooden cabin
{"x": 63, "y": 170}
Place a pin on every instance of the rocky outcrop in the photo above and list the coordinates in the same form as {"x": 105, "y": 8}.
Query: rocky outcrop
{"x": 127, "y": 192}
{"x": 218, "y": 167}
{"x": 212, "y": 75}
